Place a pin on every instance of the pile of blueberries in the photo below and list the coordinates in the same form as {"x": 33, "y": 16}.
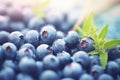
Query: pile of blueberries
{"x": 33, "y": 48}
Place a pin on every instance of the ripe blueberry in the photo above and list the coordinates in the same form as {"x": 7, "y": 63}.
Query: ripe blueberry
{"x": 86, "y": 44}
{"x": 32, "y": 37}
{"x": 72, "y": 39}
{"x": 43, "y": 50}
{"x": 51, "y": 59}
{"x": 114, "y": 53}
{"x": 22, "y": 76}
{"x": 105, "y": 77}
{"x": 82, "y": 58}
{"x": 17, "y": 38}
{"x": 4, "y": 37}
{"x": 10, "y": 50}
{"x": 86, "y": 77}
{"x": 96, "y": 71}
{"x": 48, "y": 34}
{"x": 59, "y": 45}
{"x": 73, "y": 70}
{"x": 29, "y": 46}
{"x": 112, "y": 69}
{"x": 28, "y": 66}
{"x": 25, "y": 52}
{"x": 64, "y": 58}
{"x": 36, "y": 23}
{"x": 49, "y": 75}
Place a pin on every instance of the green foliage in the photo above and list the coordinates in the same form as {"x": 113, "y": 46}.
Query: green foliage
{"x": 104, "y": 31}
{"x": 38, "y": 10}
{"x": 103, "y": 59}
{"x": 88, "y": 23}
{"x": 111, "y": 44}
{"x": 100, "y": 43}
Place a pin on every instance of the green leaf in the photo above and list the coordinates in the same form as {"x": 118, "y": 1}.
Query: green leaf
{"x": 80, "y": 30}
{"x": 111, "y": 44}
{"x": 88, "y": 23}
{"x": 103, "y": 59}
{"x": 43, "y": 5}
{"x": 93, "y": 52}
{"x": 38, "y": 10}
{"x": 104, "y": 31}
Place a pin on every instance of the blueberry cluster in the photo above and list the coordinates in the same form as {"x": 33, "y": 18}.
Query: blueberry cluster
{"x": 34, "y": 48}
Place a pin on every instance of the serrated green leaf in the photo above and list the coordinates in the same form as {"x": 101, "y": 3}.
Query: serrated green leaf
{"x": 80, "y": 30}
{"x": 103, "y": 59}
{"x": 88, "y": 23}
{"x": 111, "y": 44}
{"x": 104, "y": 31}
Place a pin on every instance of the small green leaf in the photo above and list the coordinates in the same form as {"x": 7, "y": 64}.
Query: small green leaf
{"x": 38, "y": 9}
{"x": 80, "y": 30}
{"x": 88, "y": 23}
{"x": 111, "y": 44}
{"x": 43, "y": 5}
{"x": 94, "y": 52}
{"x": 104, "y": 31}
{"x": 103, "y": 59}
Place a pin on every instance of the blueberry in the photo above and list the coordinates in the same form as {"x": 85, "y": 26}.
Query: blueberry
{"x": 32, "y": 37}
{"x": 25, "y": 52}
{"x": 82, "y": 58}
{"x": 43, "y": 50}
{"x": 94, "y": 60}
{"x": 60, "y": 73}
{"x": 67, "y": 78}
{"x": 66, "y": 26}
{"x": 73, "y": 70}
{"x": 22, "y": 76}
{"x": 1, "y": 55}
{"x": 96, "y": 71}
{"x": 60, "y": 35}
{"x": 64, "y": 58}
{"x": 51, "y": 59}
{"x": 48, "y": 34}
{"x": 86, "y": 77}
{"x": 17, "y": 38}
{"x": 29, "y": 46}
{"x": 4, "y": 22}
{"x": 4, "y": 37}
{"x": 39, "y": 66}
{"x": 24, "y": 31}
{"x": 28, "y": 66}
{"x": 105, "y": 77}
{"x": 36, "y": 23}
{"x": 27, "y": 15}
{"x": 118, "y": 62}
{"x": 55, "y": 18}
{"x": 7, "y": 74}
{"x": 86, "y": 44}
{"x": 72, "y": 39}
{"x": 114, "y": 53}
{"x": 9, "y": 50}
{"x": 49, "y": 75}
{"x": 16, "y": 26}
{"x": 59, "y": 45}
{"x": 112, "y": 69}
{"x": 10, "y": 64}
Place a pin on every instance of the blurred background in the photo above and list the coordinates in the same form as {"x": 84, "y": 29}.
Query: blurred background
{"x": 19, "y": 14}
